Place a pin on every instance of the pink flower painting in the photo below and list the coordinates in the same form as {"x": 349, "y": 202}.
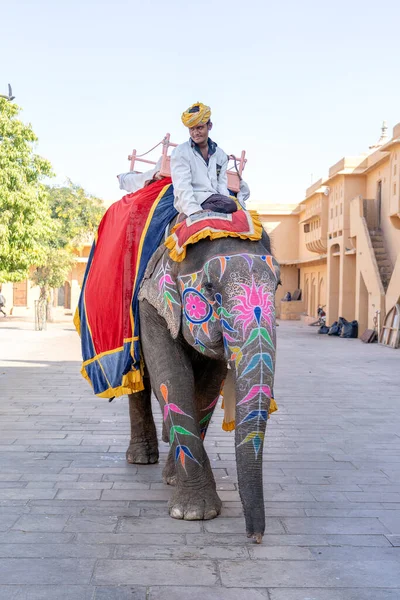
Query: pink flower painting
{"x": 195, "y": 307}
{"x": 253, "y": 305}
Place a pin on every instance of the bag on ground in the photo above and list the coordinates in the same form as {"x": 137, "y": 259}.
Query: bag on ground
{"x": 349, "y": 330}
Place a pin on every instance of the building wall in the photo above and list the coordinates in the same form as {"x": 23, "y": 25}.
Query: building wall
{"x": 282, "y": 230}
{"x": 313, "y": 281}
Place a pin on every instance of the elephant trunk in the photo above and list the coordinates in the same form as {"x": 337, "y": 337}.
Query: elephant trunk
{"x": 252, "y": 409}
{"x": 249, "y": 339}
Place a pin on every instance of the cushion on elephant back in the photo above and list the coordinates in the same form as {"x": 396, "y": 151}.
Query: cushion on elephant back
{"x": 244, "y": 224}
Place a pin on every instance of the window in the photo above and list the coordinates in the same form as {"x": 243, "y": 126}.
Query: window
{"x": 394, "y": 189}
{"x": 341, "y": 209}
{"x": 331, "y": 213}
{"x": 394, "y": 170}
{"x": 307, "y": 228}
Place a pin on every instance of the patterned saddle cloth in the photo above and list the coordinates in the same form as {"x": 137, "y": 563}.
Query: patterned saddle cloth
{"x": 244, "y": 224}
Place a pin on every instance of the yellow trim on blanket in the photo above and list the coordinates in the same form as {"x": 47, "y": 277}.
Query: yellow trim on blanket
{"x": 77, "y": 321}
{"x": 131, "y": 383}
{"x": 170, "y": 242}
{"x": 98, "y": 356}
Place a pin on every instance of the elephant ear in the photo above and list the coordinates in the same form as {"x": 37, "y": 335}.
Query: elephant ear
{"x": 159, "y": 288}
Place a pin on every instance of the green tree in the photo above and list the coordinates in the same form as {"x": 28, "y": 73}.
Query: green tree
{"x": 26, "y": 225}
{"x": 75, "y": 217}
{"x": 53, "y": 272}
{"x": 76, "y": 213}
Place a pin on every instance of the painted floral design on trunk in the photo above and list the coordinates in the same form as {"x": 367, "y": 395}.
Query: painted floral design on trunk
{"x": 253, "y": 305}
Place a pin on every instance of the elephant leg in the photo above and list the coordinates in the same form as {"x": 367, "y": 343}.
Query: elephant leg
{"x": 172, "y": 379}
{"x": 208, "y": 377}
{"x": 143, "y": 445}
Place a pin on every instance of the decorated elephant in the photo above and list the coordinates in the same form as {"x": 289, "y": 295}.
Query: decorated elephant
{"x": 208, "y": 316}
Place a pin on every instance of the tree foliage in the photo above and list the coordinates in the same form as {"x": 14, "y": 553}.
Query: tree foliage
{"x": 25, "y": 220}
{"x": 76, "y": 213}
{"x": 40, "y": 226}
{"x": 75, "y": 216}
{"x": 54, "y": 270}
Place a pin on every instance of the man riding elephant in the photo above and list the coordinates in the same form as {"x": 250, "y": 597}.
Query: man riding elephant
{"x": 200, "y": 318}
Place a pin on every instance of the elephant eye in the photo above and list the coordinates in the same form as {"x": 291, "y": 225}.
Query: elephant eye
{"x": 209, "y": 289}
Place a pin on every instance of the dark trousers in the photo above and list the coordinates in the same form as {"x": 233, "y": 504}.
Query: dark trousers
{"x": 219, "y": 203}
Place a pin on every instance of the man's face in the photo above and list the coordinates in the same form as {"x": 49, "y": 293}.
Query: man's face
{"x": 199, "y": 134}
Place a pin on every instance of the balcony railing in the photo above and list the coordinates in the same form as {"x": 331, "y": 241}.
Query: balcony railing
{"x": 312, "y": 210}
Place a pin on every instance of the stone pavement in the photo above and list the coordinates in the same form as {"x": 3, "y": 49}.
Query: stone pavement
{"x": 78, "y": 523}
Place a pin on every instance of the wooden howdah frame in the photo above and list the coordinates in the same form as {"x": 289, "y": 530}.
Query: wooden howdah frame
{"x": 234, "y": 171}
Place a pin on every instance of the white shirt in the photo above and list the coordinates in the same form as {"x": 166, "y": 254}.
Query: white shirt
{"x": 132, "y": 181}
{"x": 194, "y": 181}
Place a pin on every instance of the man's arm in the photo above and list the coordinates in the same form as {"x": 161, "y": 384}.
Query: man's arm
{"x": 181, "y": 175}
{"x": 222, "y": 186}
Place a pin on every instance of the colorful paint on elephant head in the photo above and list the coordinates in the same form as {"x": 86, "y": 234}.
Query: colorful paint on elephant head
{"x": 228, "y": 310}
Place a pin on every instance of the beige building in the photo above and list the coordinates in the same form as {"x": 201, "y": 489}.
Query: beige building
{"x": 341, "y": 245}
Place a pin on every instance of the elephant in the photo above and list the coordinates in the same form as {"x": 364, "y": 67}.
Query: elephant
{"x": 210, "y": 315}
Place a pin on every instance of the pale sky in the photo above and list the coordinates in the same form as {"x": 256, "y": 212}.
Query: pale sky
{"x": 297, "y": 84}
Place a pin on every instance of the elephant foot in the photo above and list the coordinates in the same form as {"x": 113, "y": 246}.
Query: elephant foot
{"x": 194, "y": 504}
{"x": 142, "y": 453}
{"x": 169, "y": 471}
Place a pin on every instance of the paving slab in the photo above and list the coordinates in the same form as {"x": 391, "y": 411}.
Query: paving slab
{"x": 161, "y": 572}
{"x": 323, "y": 594}
{"x": 46, "y": 592}
{"x": 200, "y": 593}
{"x": 45, "y": 570}
{"x": 77, "y": 522}
{"x": 309, "y": 574}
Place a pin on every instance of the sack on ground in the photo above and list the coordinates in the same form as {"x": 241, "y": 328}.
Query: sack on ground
{"x": 334, "y": 329}
{"x": 323, "y": 329}
{"x": 350, "y": 330}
